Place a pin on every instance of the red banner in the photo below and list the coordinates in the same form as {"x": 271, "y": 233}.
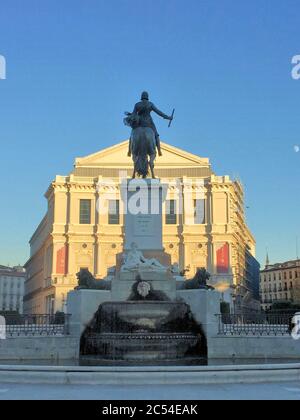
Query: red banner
{"x": 223, "y": 259}
{"x": 62, "y": 260}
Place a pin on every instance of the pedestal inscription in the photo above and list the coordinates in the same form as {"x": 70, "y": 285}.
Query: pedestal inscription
{"x": 143, "y": 200}
{"x": 143, "y": 225}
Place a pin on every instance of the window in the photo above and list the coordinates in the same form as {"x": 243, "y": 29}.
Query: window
{"x": 85, "y": 212}
{"x": 113, "y": 212}
{"x": 50, "y": 299}
{"x": 291, "y": 275}
{"x": 171, "y": 216}
{"x": 199, "y": 212}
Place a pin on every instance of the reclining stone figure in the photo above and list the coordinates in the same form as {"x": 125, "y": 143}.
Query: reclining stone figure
{"x": 135, "y": 260}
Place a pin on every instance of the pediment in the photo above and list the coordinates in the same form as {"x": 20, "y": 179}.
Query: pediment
{"x": 116, "y": 157}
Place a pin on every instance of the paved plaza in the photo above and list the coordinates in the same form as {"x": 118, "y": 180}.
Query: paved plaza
{"x": 277, "y": 391}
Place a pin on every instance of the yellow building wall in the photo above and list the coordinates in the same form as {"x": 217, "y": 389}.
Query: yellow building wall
{"x": 63, "y": 244}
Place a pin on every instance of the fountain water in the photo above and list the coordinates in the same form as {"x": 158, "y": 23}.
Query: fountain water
{"x": 143, "y": 331}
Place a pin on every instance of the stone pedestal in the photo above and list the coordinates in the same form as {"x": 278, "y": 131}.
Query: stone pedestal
{"x": 160, "y": 281}
{"x": 142, "y": 201}
{"x": 82, "y": 305}
{"x": 205, "y": 305}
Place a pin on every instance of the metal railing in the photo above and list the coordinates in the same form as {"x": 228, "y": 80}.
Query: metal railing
{"x": 255, "y": 324}
{"x": 37, "y": 325}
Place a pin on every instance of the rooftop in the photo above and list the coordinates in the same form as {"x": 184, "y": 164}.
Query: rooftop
{"x": 282, "y": 266}
{"x": 12, "y": 271}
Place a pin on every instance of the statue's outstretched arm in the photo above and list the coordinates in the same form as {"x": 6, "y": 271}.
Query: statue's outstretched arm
{"x": 160, "y": 113}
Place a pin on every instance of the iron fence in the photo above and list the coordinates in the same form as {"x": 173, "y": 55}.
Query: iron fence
{"x": 255, "y": 324}
{"x": 37, "y": 325}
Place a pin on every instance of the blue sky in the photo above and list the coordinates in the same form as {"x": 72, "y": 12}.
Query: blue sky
{"x": 74, "y": 66}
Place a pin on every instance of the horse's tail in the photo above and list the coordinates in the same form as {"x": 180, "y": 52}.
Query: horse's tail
{"x": 141, "y": 148}
{"x": 142, "y": 166}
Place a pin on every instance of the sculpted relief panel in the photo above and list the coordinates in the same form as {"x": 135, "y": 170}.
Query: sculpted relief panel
{"x": 199, "y": 255}
{"x": 84, "y": 256}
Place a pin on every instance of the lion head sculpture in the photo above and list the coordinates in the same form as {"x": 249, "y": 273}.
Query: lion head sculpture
{"x": 199, "y": 281}
{"x": 85, "y": 279}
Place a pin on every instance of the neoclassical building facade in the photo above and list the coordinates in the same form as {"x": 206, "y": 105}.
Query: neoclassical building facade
{"x": 280, "y": 282}
{"x": 203, "y": 225}
{"x": 11, "y": 289}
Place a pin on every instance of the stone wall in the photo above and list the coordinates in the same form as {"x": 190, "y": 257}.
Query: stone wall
{"x": 83, "y": 304}
{"x": 253, "y": 347}
{"x": 39, "y": 348}
{"x": 206, "y": 304}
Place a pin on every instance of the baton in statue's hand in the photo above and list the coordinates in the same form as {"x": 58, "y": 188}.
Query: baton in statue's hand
{"x": 172, "y": 116}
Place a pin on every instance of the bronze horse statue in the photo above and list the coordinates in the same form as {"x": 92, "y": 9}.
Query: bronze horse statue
{"x": 142, "y": 147}
{"x": 144, "y": 139}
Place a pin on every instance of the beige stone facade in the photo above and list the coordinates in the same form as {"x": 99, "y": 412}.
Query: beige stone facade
{"x": 74, "y": 235}
{"x": 11, "y": 289}
{"x": 280, "y": 282}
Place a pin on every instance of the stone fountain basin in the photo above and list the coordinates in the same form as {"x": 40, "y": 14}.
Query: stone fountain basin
{"x": 143, "y": 331}
{"x": 142, "y": 346}
{"x": 145, "y": 313}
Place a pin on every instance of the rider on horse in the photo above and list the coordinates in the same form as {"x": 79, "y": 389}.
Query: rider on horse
{"x": 143, "y": 111}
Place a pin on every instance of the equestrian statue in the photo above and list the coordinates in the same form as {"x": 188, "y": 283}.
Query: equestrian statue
{"x": 144, "y": 138}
